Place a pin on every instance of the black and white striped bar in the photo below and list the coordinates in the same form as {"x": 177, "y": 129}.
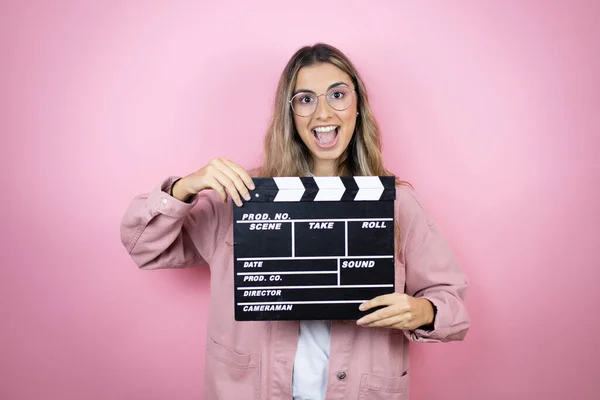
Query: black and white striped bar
{"x": 313, "y": 248}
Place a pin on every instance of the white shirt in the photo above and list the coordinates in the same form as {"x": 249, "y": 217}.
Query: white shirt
{"x": 311, "y": 365}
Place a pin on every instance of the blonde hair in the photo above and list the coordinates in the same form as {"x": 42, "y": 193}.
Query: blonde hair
{"x": 284, "y": 152}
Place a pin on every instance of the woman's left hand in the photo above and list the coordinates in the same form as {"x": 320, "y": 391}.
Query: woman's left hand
{"x": 402, "y": 312}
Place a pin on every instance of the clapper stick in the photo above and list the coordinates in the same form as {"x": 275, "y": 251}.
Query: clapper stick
{"x": 313, "y": 248}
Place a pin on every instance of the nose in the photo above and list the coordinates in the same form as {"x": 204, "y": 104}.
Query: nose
{"x": 323, "y": 111}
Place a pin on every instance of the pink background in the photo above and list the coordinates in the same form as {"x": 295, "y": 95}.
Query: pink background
{"x": 490, "y": 108}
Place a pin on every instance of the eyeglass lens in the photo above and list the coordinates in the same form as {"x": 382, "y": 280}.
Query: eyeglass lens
{"x": 305, "y": 103}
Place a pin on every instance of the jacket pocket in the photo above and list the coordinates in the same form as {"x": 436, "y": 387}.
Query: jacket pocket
{"x": 377, "y": 387}
{"x": 230, "y": 374}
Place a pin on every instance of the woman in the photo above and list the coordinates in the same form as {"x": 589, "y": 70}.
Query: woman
{"x": 322, "y": 126}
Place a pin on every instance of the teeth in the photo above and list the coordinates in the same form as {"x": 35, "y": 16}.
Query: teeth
{"x": 322, "y": 129}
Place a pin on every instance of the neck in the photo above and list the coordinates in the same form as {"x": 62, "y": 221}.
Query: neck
{"x": 325, "y": 168}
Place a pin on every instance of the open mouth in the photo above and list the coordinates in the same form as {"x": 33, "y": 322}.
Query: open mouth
{"x": 326, "y": 136}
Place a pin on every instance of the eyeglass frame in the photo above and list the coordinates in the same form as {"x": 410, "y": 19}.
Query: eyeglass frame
{"x": 319, "y": 95}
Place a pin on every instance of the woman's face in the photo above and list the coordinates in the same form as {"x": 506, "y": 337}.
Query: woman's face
{"x": 327, "y": 131}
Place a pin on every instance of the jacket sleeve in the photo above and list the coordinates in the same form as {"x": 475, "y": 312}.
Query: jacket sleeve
{"x": 432, "y": 272}
{"x": 160, "y": 231}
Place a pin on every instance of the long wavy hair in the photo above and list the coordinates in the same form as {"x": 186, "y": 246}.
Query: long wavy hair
{"x": 285, "y": 154}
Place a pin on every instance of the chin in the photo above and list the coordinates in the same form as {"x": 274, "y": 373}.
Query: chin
{"x": 327, "y": 155}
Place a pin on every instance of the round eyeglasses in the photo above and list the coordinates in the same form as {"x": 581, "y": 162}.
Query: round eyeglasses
{"x": 305, "y": 104}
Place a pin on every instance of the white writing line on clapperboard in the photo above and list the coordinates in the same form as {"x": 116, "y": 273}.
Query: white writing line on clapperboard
{"x": 293, "y": 239}
{"x": 345, "y": 246}
{"x": 315, "y": 287}
{"x": 305, "y": 258}
{"x": 287, "y": 273}
{"x": 270, "y": 221}
{"x": 303, "y": 302}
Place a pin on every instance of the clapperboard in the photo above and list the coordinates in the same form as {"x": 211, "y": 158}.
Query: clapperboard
{"x": 313, "y": 248}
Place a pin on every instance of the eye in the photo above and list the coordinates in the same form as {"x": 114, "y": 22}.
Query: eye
{"x": 304, "y": 99}
{"x": 337, "y": 95}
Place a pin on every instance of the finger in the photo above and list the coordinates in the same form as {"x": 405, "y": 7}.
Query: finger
{"x": 246, "y": 178}
{"x": 235, "y": 178}
{"x": 217, "y": 187}
{"x": 384, "y": 300}
{"x": 396, "y": 321}
{"x": 229, "y": 186}
{"x": 384, "y": 313}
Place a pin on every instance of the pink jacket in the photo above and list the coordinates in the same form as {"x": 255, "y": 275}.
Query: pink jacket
{"x": 253, "y": 360}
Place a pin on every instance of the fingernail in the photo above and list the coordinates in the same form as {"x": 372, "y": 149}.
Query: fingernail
{"x": 247, "y": 196}
{"x": 360, "y": 321}
{"x": 362, "y": 306}
{"x": 252, "y": 186}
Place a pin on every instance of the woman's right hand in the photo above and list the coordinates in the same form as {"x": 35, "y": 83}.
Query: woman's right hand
{"x": 223, "y": 176}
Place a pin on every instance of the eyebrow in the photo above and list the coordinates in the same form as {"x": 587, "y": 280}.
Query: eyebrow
{"x": 312, "y": 91}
